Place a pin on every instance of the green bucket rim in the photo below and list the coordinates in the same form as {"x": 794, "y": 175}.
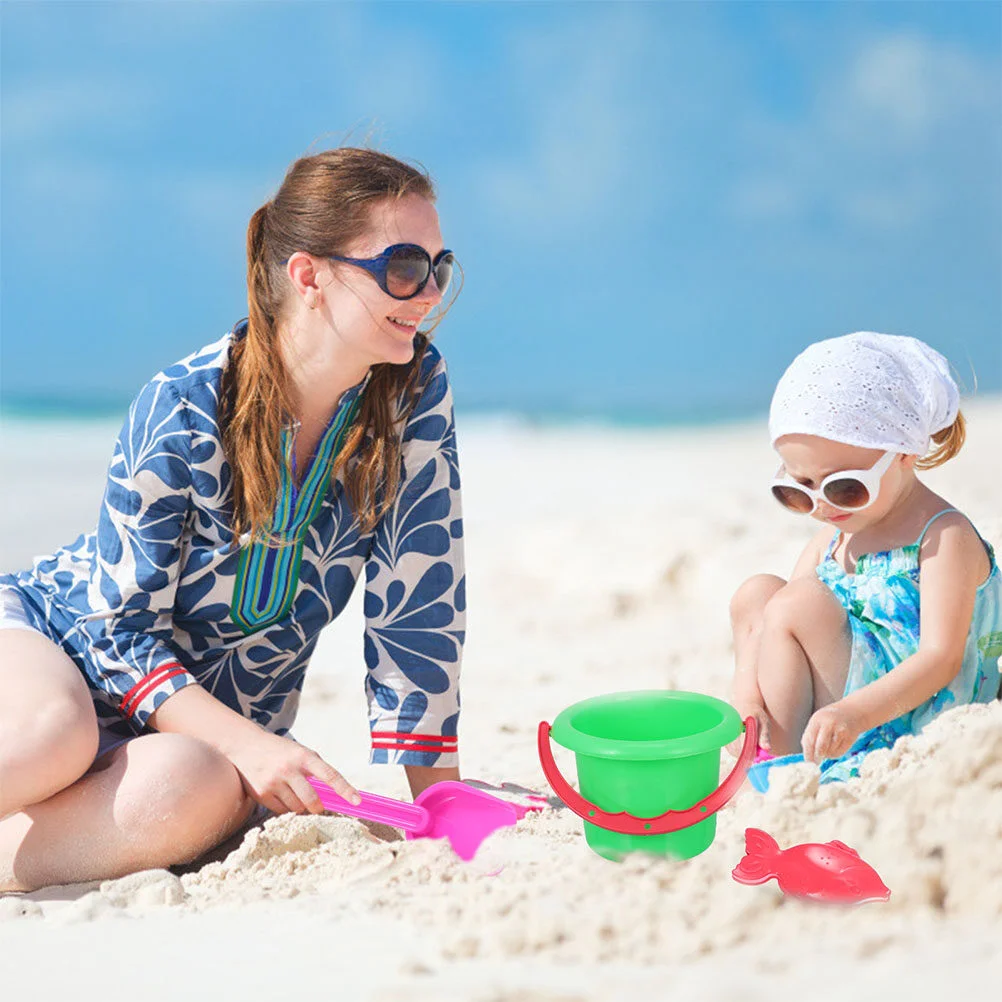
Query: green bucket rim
{"x": 565, "y": 733}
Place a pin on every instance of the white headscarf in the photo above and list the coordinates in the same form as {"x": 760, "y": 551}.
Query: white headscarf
{"x": 877, "y": 391}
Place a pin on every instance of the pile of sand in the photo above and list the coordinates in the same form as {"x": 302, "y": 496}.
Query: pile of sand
{"x": 927, "y": 815}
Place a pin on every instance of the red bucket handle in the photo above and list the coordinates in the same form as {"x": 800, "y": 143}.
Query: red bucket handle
{"x": 628, "y": 824}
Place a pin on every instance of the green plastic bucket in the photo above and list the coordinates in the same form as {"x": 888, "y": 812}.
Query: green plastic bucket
{"x": 648, "y": 767}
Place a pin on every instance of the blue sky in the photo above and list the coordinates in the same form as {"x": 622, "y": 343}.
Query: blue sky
{"x": 656, "y": 204}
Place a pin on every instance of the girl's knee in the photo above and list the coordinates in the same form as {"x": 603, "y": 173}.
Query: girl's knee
{"x": 753, "y": 595}
{"x": 805, "y": 601}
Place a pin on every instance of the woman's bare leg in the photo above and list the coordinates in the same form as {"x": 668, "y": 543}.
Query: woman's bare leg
{"x": 158, "y": 800}
{"x": 48, "y": 728}
{"x": 803, "y": 658}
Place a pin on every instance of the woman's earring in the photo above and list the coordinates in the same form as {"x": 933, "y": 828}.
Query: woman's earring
{"x": 311, "y": 300}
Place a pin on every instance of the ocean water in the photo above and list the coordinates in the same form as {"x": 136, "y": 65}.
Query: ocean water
{"x": 21, "y": 410}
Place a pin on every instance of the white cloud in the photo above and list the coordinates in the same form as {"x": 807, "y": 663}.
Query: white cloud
{"x": 582, "y": 119}
{"x": 214, "y": 203}
{"x": 57, "y": 193}
{"x": 80, "y": 194}
{"x": 909, "y": 86}
{"x": 765, "y": 197}
{"x": 887, "y": 141}
{"x": 168, "y": 21}
{"x": 46, "y": 111}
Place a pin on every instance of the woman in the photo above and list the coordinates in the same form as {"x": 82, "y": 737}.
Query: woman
{"x": 153, "y": 668}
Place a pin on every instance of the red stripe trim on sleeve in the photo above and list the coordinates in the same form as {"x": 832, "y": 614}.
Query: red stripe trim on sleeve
{"x": 127, "y": 698}
{"x": 146, "y": 679}
{"x": 390, "y": 746}
{"x": 132, "y": 699}
{"x": 411, "y": 736}
{"x": 155, "y": 683}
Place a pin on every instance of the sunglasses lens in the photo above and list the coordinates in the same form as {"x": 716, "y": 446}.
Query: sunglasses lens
{"x": 407, "y": 271}
{"x": 443, "y": 272}
{"x": 790, "y": 497}
{"x": 848, "y": 493}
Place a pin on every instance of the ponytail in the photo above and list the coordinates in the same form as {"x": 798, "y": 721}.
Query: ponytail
{"x": 948, "y": 442}
{"x": 255, "y": 406}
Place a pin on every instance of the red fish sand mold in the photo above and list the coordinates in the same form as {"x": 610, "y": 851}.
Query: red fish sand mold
{"x": 819, "y": 872}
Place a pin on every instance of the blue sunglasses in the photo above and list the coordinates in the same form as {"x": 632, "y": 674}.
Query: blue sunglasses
{"x": 403, "y": 270}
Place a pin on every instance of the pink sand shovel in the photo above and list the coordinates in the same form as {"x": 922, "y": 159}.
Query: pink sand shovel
{"x": 449, "y": 809}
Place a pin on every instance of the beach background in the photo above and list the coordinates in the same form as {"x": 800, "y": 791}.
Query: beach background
{"x": 656, "y": 206}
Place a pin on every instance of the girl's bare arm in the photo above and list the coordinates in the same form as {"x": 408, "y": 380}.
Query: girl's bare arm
{"x": 812, "y": 554}
{"x": 953, "y": 564}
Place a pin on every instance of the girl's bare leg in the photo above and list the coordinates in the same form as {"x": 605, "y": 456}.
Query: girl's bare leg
{"x": 48, "y": 728}
{"x": 803, "y": 658}
{"x": 158, "y": 800}
{"x": 747, "y": 617}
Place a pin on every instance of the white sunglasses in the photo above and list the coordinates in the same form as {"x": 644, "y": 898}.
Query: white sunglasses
{"x": 848, "y": 490}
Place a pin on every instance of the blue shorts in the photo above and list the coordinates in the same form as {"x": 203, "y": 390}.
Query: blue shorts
{"x": 12, "y": 614}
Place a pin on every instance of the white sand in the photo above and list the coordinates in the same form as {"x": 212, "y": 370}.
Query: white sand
{"x": 592, "y": 569}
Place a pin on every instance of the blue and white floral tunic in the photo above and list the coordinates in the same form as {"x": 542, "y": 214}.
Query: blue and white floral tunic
{"x": 158, "y": 597}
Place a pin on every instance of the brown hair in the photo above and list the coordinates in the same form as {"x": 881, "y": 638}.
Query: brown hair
{"x": 324, "y": 204}
{"x": 948, "y": 442}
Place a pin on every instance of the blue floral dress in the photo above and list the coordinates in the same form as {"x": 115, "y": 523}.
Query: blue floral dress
{"x": 882, "y": 602}
{"x": 162, "y": 596}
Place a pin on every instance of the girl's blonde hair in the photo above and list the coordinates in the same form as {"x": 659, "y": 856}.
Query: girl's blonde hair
{"x": 948, "y": 443}
{"x": 324, "y": 203}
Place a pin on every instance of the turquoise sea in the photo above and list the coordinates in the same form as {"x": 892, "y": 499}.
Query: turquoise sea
{"x": 21, "y": 410}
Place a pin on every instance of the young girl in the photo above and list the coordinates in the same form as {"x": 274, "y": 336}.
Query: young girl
{"x": 838, "y": 659}
{"x": 152, "y": 669}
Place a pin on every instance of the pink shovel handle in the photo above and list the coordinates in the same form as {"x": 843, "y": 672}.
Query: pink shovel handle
{"x": 410, "y": 817}
{"x": 671, "y": 821}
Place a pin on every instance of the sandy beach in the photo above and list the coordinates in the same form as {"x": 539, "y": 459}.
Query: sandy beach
{"x": 599, "y": 560}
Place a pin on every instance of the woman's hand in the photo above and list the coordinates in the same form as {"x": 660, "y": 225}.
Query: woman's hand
{"x": 274, "y": 771}
{"x": 756, "y": 710}
{"x": 830, "y": 732}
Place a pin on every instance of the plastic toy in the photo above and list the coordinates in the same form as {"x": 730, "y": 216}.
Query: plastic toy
{"x": 521, "y": 798}
{"x": 541, "y": 803}
{"x": 820, "y": 872}
{"x": 648, "y": 766}
{"x": 765, "y": 762}
{"x": 450, "y": 809}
